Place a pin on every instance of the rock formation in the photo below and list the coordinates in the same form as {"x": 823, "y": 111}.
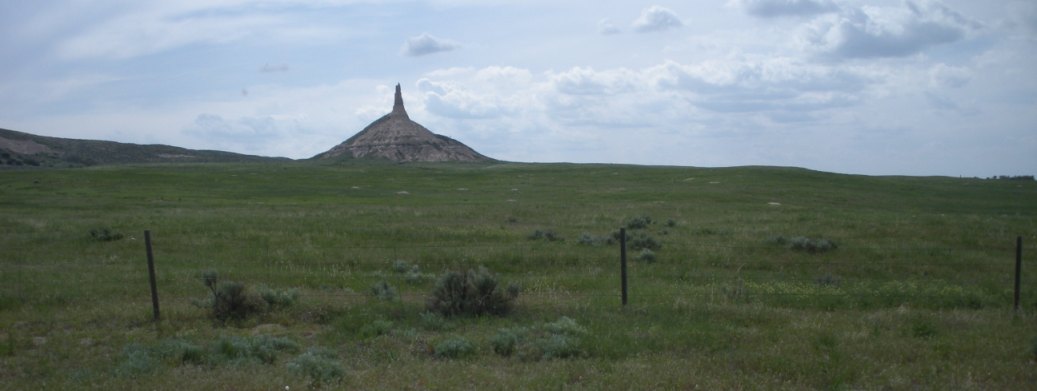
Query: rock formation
{"x": 395, "y": 137}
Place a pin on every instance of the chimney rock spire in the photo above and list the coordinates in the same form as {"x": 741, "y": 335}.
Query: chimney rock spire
{"x": 397, "y": 105}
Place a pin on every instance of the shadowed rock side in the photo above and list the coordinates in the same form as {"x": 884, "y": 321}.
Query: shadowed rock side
{"x": 19, "y": 149}
{"x": 395, "y": 137}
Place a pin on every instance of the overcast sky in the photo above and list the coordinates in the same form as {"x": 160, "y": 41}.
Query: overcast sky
{"x": 878, "y": 87}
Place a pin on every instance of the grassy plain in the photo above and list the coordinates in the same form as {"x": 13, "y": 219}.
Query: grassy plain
{"x": 917, "y": 295}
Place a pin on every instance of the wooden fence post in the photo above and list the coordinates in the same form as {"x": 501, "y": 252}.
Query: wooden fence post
{"x": 151, "y": 274}
{"x": 1018, "y": 269}
{"x": 623, "y": 262}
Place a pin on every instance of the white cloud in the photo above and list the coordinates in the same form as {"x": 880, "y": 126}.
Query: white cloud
{"x": 870, "y": 32}
{"x": 587, "y": 81}
{"x": 656, "y": 18}
{"x": 780, "y": 8}
{"x": 606, "y": 27}
{"x": 138, "y": 29}
{"x": 425, "y": 44}
{"x": 274, "y": 68}
{"x": 943, "y": 75}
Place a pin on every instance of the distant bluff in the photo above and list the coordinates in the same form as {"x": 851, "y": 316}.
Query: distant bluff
{"x": 395, "y": 137}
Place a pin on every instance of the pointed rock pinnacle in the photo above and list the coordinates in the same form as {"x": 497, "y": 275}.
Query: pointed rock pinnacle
{"x": 397, "y": 105}
{"x": 396, "y": 138}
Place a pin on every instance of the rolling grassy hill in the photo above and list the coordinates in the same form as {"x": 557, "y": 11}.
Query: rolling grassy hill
{"x": 914, "y": 289}
{"x": 18, "y": 149}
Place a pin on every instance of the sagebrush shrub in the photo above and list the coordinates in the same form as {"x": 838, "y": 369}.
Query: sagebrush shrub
{"x": 321, "y": 366}
{"x": 454, "y": 347}
{"x": 377, "y": 328}
{"x": 506, "y": 341}
{"x": 558, "y": 339}
{"x": 400, "y": 266}
{"x": 414, "y": 276}
{"x": 433, "y": 321}
{"x": 136, "y": 360}
{"x": 591, "y": 240}
{"x": 232, "y": 300}
{"x": 802, "y": 243}
{"x": 383, "y": 291}
{"x": 646, "y": 255}
{"x": 472, "y": 292}
{"x": 178, "y": 351}
{"x": 638, "y": 240}
{"x": 105, "y": 235}
{"x": 639, "y": 222}
{"x": 278, "y": 298}
{"x": 547, "y": 235}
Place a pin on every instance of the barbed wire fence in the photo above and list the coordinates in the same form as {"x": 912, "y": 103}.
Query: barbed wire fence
{"x": 924, "y": 276}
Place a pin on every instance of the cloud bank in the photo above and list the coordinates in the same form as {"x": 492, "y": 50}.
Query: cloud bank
{"x": 426, "y": 44}
{"x": 656, "y": 18}
{"x": 781, "y": 8}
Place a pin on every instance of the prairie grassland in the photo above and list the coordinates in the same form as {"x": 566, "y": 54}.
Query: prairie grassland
{"x": 917, "y": 292}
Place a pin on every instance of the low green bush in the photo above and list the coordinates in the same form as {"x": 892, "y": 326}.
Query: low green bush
{"x": 278, "y": 297}
{"x": 802, "y": 243}
{"x": 547, "y": 235}
{"x": 178, "y": 352}
{"x": 136, "y": 360}
{"x": 232, "y": 300}
{"x": 639, "y": 222}
{"x": 383, "y": 291}
{"x": 646, "y": 256}
{"x": 454, "y": 347}
{"x": 262, "y": 349}
{"x": 105, "y": 235}
{"x": 320, "y": 366}
{"x": 587, "y": 239}
{"x": 472, "y": 292}
{"x": 376, "y": 328}
{"x": 400, "y": 266}
{"x": 554, "y": 340}
{"x": 433, "y": 321}
{"x": 506, "y": 341}
{"x": 639, "y": 240}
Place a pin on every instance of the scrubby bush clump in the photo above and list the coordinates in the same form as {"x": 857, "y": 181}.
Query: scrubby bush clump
{"x": 472, "y": 292}
{"x": 555, "y": 340}
{"x": 105, "y": 235}
{"x": 454, "y": 347}
{"x": 590, "y": 240}
{"x": 383, "y": 291}
{"x": 646, "y": 256}
{"x": 277, "y": 297}
{"x": 547, "y": 235}
{"x": 802, "y": 243}
{"x": 321, "y": 366}
{"x": 639, "y": 222}
{"x": 411, "y": 272}
{"x": 261, "y": 349}
{"x": 234, "y": 301}
{"x": 639, "y": 240}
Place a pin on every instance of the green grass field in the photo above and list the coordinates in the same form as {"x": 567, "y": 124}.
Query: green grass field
{"x": 917, "y": 293}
